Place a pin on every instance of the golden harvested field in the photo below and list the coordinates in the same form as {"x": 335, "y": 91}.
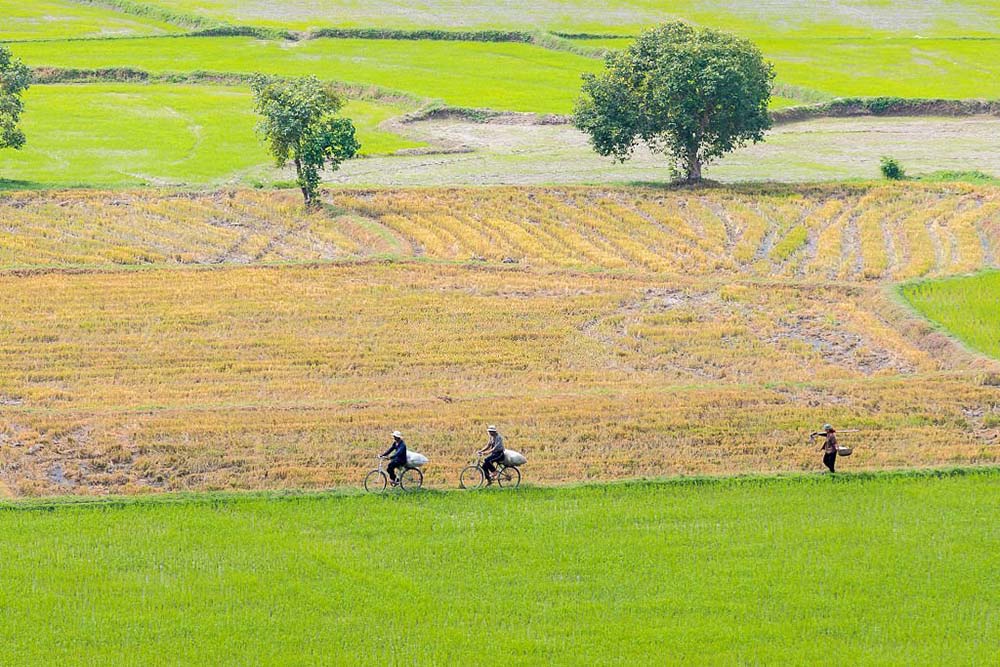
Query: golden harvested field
{"x": 123, "y": 378}
{"x": 814, "y": 233}
{"x": 837, "y": 232}
{"x": 133, "y": 228}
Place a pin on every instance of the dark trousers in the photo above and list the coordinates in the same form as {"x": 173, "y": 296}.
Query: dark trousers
{"x": 394, "y": 465}
{"x": 830, "y": 460}
{"x": 489, "y": 465}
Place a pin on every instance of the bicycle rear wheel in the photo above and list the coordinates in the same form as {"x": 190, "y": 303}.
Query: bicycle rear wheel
{"x": 471, "y": 477}
{"x": 509, "y": 477}
{"x": 376, "y": 481}
{"x": 411, "y": 479}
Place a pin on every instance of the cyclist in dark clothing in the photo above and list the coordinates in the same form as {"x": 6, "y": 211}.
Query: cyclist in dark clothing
{"x": 495, "y": 449}
{"x": 829, "y": 447}
{"x": 396, "y": 455}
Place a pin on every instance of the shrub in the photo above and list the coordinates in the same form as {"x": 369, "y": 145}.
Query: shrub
{"x": 892, "y": 169}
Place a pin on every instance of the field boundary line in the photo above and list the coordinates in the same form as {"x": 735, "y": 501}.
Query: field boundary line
{"x": 731, "y": 481}
{"x": 66, "y": 75}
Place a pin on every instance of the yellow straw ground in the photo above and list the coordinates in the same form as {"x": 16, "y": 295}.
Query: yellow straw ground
{"x": 274, "y": 377}
{"x": 612, "y": 332}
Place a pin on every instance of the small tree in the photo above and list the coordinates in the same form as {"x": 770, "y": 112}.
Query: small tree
{"x": 691, "y": 93}
{"x": 15, "y": 77}
{"x": 301, "y": 125}
{"x": 892, "y": 169}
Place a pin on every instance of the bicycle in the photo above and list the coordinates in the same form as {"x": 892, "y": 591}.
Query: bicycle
{"x": 473, "y": 476}
{"x": 377, "y": 481}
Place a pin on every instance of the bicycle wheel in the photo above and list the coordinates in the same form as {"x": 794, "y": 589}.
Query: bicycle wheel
{"x": 376, "y": 481}
{"x": 471, "y": 478}
{"x": 509, "y": 477}
{"x": 411, "y": 479}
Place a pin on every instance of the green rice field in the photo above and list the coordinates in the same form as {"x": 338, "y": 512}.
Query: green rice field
{"x": 966, "y": 306}
{"x": 509, "y": 76}
{"x": 68, "y": 19}
{"x": 136, "y": 134}
{"x": 896, "y": 568}
{"x": 524, "y": 77}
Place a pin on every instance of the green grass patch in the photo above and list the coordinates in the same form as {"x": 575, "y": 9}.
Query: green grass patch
{"x": 526, "y": 77}
{"x": 61, "y": 19}
{"x": 783, "y": 102}
{"x": 884, "y": 569}
{"x": 792, "y": 241}
{"x": 134, "y": 134}
{"x": 509, "y": 76}
{"x": 976, "y": 177}
{"x": 824, "y": 66}
{"x": 904, "y": 67}
{"x": 967, "y": 306}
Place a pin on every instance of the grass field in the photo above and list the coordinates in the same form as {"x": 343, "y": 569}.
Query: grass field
{"x": 889, "y": 569}
{"x": 870, "y": 66}
{"x": 966, "y": 306}
{"x": 645, "y": 331}
{"x": 517, "y": 77}
{"x": 64, "y": 19}
{"x": 840, "y": 18}
{"x": 523, "y": 77}
{"x": 157, "y": 134}
{"x": 103, "y": 135}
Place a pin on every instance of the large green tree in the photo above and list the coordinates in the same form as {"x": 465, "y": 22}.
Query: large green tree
{"x": 15, "y": 77}
{"x": 693, "y": 94}
{"x": 301, "y": 125}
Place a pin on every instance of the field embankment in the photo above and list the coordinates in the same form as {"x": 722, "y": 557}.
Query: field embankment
{"x": 894, "y": 568}
{"x": 613, "y": 333}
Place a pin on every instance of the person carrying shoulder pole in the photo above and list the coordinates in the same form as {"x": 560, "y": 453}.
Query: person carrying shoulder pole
{"x": 829, "y": 447}
{"x": 495, "y": 449}
{"x": 396, "y": 455}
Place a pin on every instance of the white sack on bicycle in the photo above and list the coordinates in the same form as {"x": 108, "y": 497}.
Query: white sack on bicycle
{"x": 513, "y": 459}
{"x": 415, "y": 459}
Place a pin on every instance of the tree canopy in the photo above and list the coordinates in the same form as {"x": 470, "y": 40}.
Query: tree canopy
{"x": 15, "y": 77}
{"x": 693, "y": 94}
{"x": 301, "y": 125}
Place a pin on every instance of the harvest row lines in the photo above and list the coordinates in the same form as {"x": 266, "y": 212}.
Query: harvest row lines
{"x": 863, "y": 233}
{"x": 837, "y": 233}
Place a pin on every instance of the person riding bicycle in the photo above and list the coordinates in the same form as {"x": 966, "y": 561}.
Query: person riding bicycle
{"x": 396, "y": 455}
{"x": 495, "y": 449}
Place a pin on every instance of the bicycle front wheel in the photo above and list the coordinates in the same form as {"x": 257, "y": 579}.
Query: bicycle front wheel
{"x": 376, "y": 481}
{"x": 509, "y": 478}
{"x": 411, "y": 479}
{"x": 471, "y": 478}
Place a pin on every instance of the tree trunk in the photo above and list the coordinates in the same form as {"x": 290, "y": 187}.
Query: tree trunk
{"x": 693, "y": 167}
{"x": 305, "y": 191}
